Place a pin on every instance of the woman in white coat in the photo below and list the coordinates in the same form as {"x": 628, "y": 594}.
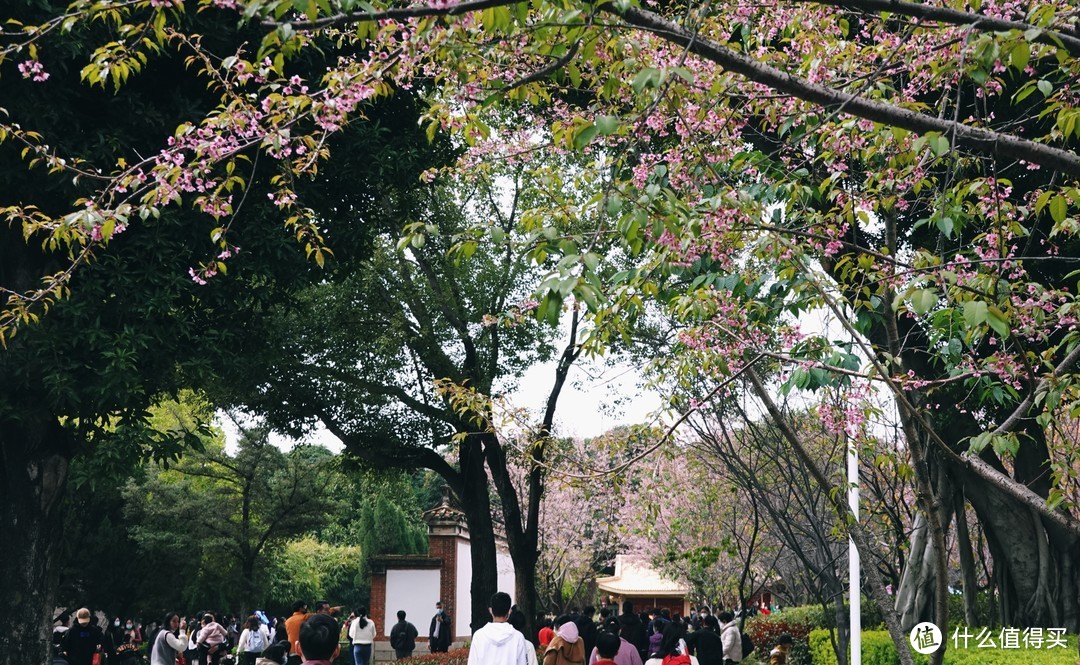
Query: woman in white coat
{"x": 362, "y": 634}
{"x": 253, "y": 640}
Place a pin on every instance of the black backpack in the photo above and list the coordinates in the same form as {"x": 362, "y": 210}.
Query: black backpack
{"x": 747, "y": 645}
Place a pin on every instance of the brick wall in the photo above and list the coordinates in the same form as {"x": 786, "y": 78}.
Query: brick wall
{"x": 378, "y": 601}
{"x": 444, "y": 548}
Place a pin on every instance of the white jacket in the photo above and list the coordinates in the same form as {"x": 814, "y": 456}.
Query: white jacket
{"x": 365, "y": 635}
{"x": 732, "y": 640}
{"x": 245, "y": 637}
{"x": 499, "y": 643}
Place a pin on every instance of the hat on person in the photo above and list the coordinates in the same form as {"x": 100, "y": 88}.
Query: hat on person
{"x": 83, "y": 615}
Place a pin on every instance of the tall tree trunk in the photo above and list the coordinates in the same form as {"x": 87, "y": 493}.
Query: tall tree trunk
{"x": 967, "y": 560}
{"x": 476, "y": 504}
{"x": 33, "y": 473}
{"x": 1033, "y": 564}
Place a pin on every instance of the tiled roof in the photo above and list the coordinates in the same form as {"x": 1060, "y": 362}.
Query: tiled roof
{"x": 634, "y": 576}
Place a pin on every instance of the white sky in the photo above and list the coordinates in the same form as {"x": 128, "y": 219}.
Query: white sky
{"x": 593, "y": 401}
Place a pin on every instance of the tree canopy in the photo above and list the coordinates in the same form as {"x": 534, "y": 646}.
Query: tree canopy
{"x": 910, "y": 168}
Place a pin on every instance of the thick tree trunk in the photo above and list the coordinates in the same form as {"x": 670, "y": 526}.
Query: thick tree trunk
{"x": 1033, "y": 566}
{"x": 33, "y": 473}
{"x": 967, "y": 559}
{"x": 915, "y": 593}
{"x": 476, "y": 504}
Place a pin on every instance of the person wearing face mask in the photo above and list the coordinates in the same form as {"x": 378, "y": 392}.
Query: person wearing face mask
{"x": 441, "y": 632}
{"x": 133, "y": 633}
{"x": 114, "y": 637}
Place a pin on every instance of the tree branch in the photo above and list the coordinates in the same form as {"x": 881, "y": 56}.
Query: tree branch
{"x": 955, "y": 17}
{"x": 973, "y": 138}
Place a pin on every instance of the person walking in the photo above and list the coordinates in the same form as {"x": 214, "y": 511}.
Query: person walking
{"x": 731, "y": 637}
{"x": 607, "y": 647}
{"x": 670, "y": 651}
{"x": 362, "y": 634}
{"x": 567, "y": 647}
{"x": 499, "y": 643}
{"x": 292, "y": 629}
{"x": 626, "y": 654}
{"x": 82, "y": 640}
{"x": 212, "y": 637}
{"x": 168, "y": 642}
{"x": 632, "y": 630}
{"x": 706, "y": 642}
{"x": 441, "y": 631}
{"x": 403, "y": 637}
{"x": 253, "y": 640}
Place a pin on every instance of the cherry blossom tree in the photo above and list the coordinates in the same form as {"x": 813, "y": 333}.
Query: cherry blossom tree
{"x": 911, "y": 168}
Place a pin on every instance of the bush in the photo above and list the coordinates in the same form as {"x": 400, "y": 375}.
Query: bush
{"x": 878, "y": 649}
{"x": 818, "y": 617}
{"x": 455, "y": 657}
{"x": 765, "y": 631}
{"x": 812, "y": 615}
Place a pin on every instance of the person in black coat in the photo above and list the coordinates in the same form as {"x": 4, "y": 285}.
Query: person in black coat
{"x": 632, "y": 630}
{"x": 706, "y": 642}
{"x": 82, "y": 640}
{"x": 587, "y": 628}
{"x": 441, "y": 631}
{"x": 403, "y": 637}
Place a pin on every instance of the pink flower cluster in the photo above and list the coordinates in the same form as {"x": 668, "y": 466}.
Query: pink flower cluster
{"x": 34, "y": 70}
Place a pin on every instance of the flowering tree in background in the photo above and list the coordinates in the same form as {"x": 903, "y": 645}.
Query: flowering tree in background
{"x": 911, "y": 168}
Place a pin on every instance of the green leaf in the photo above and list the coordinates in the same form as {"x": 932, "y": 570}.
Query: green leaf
{"x": 1006, "y": 444}
{"x": 646, "y": 78}
{"x": 1020, "y": 55}
{"x": 1045, "y": 87}
{"x": 946, "y": 225}
{"x": 975, "y": 313}
{"x": 939, "y": 144}
{"x": 998, "y": 321}
{"x": 1059, "y": 208}
{"x": 607, "y": 124}
{"x": 979, "y": 443}
{"x": 585, "y": 136}
{"x": 923, "y": 300}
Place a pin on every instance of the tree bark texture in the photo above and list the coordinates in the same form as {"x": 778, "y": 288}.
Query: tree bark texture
{"x": 33, "y": 473}
{"x": 967, "y": 559}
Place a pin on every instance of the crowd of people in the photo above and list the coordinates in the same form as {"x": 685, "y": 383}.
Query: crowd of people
{"x": 653, "y": 637}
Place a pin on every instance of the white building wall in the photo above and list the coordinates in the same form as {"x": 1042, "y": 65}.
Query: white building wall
{"x": 416, "y": 592}
{"x": 505, "y": 566}
{"x": 463, "y": 602}
{"x": 505, "y": 580}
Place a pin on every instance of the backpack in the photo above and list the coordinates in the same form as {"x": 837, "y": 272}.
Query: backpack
{"x": 255, "y": 641}
{"x": 747, "y": 645}
{"x": 680, "y": 659}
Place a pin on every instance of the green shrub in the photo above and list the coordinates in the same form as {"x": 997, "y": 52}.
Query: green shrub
{"x": 818, "y": 617}
{"x": 878, "y": 649}
{"x": 765, "y": 631}
{"x": 813, "y": 615}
